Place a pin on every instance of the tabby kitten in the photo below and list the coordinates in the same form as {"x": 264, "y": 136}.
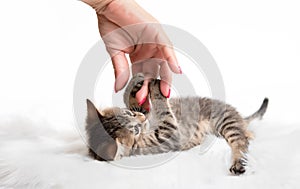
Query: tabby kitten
{"x": 175, "y": 124}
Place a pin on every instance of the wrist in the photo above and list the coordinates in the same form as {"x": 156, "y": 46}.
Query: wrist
{"x": 98, "y": 5}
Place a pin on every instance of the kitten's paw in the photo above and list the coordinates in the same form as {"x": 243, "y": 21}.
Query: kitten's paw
{"x": 154, "y": 89}
{"x": 132, "y": 88}
{"x": 238, "y": 168}
{"x": 135, "y": 84}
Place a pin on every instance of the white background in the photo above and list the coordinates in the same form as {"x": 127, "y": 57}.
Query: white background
{"x": 256, "y": 45}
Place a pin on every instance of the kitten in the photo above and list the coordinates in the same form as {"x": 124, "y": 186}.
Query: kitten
{"x": 175, "y": 124}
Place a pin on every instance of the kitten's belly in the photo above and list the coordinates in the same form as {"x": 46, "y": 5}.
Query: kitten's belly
{"x": 191, "y": 136}
{"x": 193, "y": 127}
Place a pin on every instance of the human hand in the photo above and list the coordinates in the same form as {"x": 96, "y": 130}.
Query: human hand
{"x": 126, "y": 28}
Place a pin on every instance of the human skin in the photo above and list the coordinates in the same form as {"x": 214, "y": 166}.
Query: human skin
{"x": 126, "y": 28}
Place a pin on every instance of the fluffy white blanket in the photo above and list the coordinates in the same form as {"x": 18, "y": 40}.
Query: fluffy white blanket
{"x": 34, "y": 155}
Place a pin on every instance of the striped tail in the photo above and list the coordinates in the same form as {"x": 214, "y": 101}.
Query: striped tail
{"x": 259, "y": 113}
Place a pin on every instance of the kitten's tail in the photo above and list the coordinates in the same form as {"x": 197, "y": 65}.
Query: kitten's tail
{"x": 259, "y": 113}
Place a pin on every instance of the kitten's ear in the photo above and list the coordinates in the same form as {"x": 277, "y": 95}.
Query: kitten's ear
{"x": 92, "y": 113}
{"x": 107, "y": 150}
{"x": 99, "y": 141}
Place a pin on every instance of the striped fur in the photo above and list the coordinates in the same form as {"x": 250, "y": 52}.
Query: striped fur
{"x": 172, "y": 125}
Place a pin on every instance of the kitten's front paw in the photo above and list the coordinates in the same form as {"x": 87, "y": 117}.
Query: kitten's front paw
{"x": 135, "y": 84}
{"x": 238, "y": 168}
{"x": 154, "y": 89}
{"x": 133, "y": 87}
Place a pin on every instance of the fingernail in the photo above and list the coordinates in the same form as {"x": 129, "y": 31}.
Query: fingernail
{"x": 115, "y": 89}
{"x": 142, "y": 101}
{"x": 180, "y": 70}
{"x": 169, "y": 93}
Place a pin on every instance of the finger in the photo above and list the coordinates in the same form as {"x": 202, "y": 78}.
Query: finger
{"x": 166, "y": 79}
{"x": 141, "y": 95}
{"x": 165, "y": 75}
{"x": 137, "y": 57}
{"x": 143, "y": 51}
{"x": 170, "y": 57}
{"x": 151, "y": 68}
{"x": 121, "y": 69}
{"x": 146, "y": 105}
{"x": 136, "y": 68}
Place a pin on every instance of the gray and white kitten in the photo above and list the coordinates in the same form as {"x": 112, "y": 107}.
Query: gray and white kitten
{"x": 174, "y": 124}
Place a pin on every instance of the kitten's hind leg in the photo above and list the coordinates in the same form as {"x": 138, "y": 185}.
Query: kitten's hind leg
{"x": 132, "y": 88}
{"x": 239, "y": 159}
{"x": 235, "y": 135}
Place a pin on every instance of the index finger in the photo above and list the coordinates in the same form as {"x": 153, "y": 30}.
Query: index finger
{"x": 169, "y": 56}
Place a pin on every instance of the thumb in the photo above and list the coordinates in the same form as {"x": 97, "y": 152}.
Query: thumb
{"x": 121, "y": 69}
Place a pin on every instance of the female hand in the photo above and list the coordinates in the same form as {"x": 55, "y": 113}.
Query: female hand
{"x": 126, "y": 28}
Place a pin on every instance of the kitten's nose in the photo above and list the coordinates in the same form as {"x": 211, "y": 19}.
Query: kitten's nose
{"x": 140, "y": 116}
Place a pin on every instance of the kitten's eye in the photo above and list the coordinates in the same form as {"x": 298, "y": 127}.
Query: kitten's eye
{"x": 136, "y": 130}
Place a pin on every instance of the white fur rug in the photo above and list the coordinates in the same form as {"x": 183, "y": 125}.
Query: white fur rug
{"x": 34, "y": 155}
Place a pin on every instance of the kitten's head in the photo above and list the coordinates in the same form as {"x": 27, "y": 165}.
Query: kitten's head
{"x": 112, "y": 132}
